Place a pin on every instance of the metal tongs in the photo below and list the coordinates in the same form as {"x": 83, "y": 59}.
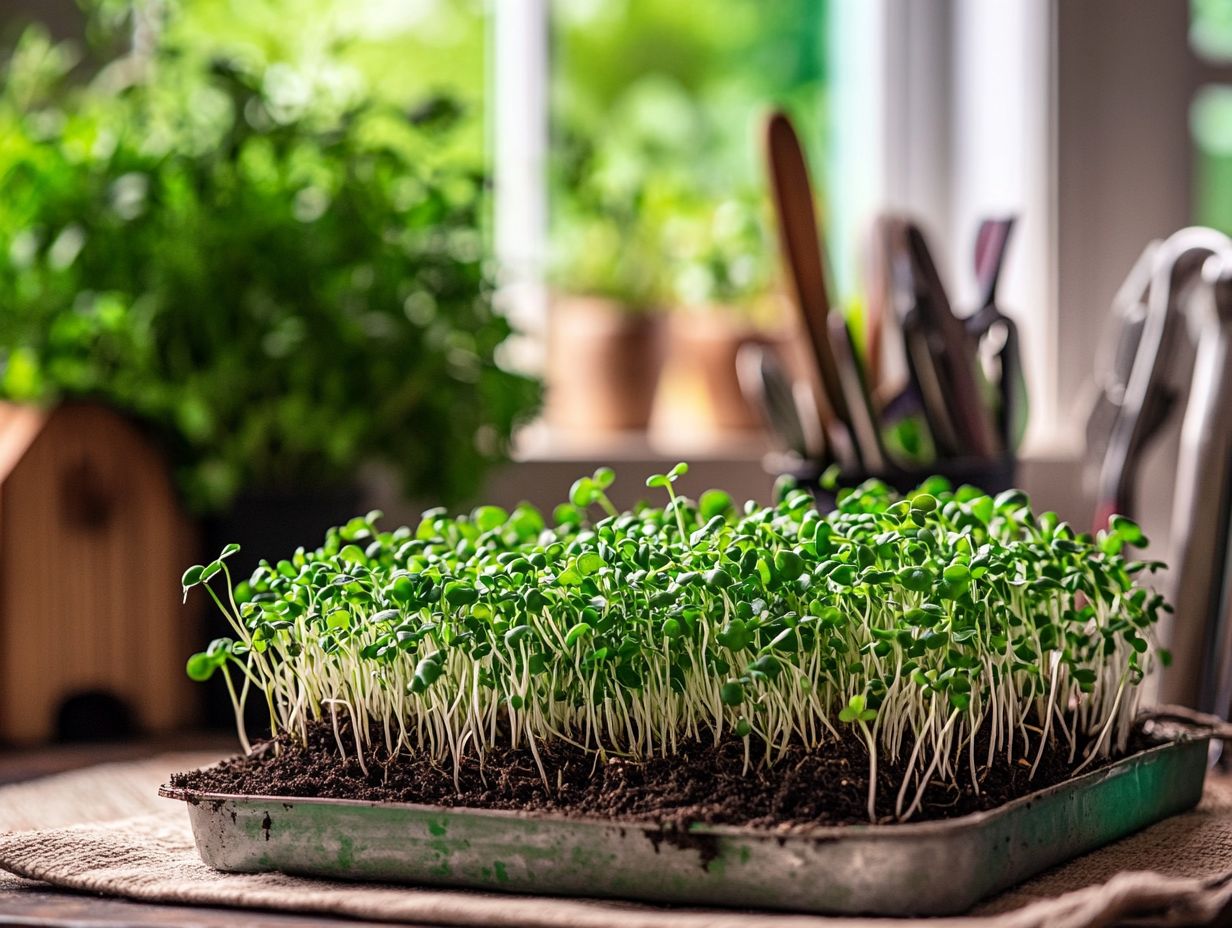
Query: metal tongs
{"x": 1141, "y": 381}
{"x": 1180, "y": 285}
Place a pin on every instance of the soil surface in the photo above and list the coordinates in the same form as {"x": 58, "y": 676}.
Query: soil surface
{"x": 825, "y": 785}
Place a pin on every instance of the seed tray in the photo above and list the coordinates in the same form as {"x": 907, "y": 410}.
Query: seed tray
{"x": 925, "y": 868}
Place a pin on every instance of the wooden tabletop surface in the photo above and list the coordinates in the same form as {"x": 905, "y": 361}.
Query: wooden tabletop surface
{"x": 36, "y": 904}
{"x": 60, "y": 909}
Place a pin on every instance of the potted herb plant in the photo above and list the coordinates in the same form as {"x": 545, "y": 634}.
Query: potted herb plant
{"x": 282, "y": 276}
{"x": 679, "y": 701}
{"x": 723, "y": 294}
{"x": 607, "y": 338}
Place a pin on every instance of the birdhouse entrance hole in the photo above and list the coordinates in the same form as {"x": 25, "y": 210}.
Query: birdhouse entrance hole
{"x": 94, "y": 715}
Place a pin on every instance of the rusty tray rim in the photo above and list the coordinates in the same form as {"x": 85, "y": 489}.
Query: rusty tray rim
{"x": 888, "y": 831}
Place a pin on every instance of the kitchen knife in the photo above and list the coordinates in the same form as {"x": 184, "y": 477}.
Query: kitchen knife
{"x": 1150, "y": 389}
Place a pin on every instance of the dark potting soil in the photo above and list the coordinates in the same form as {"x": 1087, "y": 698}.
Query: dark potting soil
{"x": 825, "y": 785}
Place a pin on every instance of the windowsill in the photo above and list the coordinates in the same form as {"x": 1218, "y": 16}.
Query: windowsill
{"x": 539, "y": 442}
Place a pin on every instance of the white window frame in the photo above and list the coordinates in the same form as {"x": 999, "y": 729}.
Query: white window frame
{"x": 520, "y": 131}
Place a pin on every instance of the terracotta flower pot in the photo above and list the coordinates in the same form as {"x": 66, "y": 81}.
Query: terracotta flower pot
{"x": 603, "y": 365}
{"x": 700, "y": 389}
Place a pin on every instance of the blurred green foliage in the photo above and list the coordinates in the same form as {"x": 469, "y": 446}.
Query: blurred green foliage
{"x": 658, "y": 191}
{"x": 1210, "y": 115}
{"x": 278, "y": 272}
{"x": 402, "y": 49}
{"x": 1210, "y": 29}
{"x": 1210, "y": 122}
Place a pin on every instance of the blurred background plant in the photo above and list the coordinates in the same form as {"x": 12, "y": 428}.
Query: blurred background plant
{"x": 722, "y": 257}
{"x": 655, "y": 144}
{"x": 277, "y": 267}
{"x": 658, "y": 204}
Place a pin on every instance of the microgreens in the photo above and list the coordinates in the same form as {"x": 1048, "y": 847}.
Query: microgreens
{"x": 922, "y": 622}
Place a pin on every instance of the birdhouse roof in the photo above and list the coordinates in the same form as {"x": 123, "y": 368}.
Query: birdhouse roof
{"x": 19, "y": 426}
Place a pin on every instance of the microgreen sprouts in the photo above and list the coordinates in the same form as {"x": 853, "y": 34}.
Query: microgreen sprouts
{"x": 950, "y": 629}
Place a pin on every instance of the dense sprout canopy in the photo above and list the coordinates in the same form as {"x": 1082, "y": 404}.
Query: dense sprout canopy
{"x": 920, "y": 622}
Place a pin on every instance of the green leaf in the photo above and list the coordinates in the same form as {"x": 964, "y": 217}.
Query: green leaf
{"x": 353, "y": 554}
{"x": 916, "y": 579}
{"x": 957, "y": 573}
{"x": 788, "y": 564}
{"x": 589, "y": 563}
{"x": 829, "y": 478}
{"x": 403, "y": 590}
{"x": 582, "y": 493}
{"x": 570, "y": 576}
{"x": 628, "y": 676}
{"x": 714, "y": 503}
{"x": 487, "y": 518}
{"x": 1129, "y": 531}
{"x": 767, "y": 665}
{"x": 459, "y": 594}
{"x": 734, "y": 635}
{"x": 200, "y": 667}
{"x": 577, "y": 633}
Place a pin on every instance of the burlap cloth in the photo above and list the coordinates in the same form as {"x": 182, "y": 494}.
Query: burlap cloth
{"x": 104, "y": 830}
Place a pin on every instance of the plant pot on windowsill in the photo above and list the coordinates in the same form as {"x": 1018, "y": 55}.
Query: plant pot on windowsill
{"x": 700, "y": 391}
{"x": 604, "y": 360}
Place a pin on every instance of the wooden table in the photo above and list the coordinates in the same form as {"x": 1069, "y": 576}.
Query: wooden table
{"x": 36, "y": 904}
{"x": 18, "y": 764}
{"x": 61, "y": 909}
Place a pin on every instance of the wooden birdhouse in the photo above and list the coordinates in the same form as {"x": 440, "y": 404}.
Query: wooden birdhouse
{"x": 92, "y": 543}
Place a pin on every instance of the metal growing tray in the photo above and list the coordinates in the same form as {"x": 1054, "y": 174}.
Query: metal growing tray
{"x": 925, "y": 868}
